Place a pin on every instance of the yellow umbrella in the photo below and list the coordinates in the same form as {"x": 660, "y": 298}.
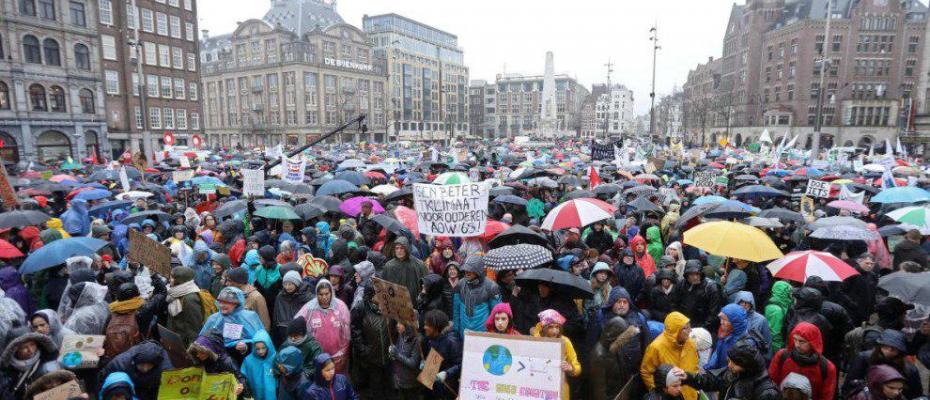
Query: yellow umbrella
{"x": 734, "y": 240}
{"x": 842, "y": 181}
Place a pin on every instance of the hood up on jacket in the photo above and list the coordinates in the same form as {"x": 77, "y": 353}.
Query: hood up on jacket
{"x": 291, "y": 359}
{"x": 879, "y": 375}
{"x": 810, "y": 333}
{"x": 117, "y": 381}
{"x": 781, "y": 295}
{"x": 44, "y": 343}
{"x": 674, "y": 323}
{"x": 500, "y": 308}
{"x": 737, "y": 317}
{"x": 55, "y": 330}
{"x": 808, "y": 298}
{"x": 318, "y": 363}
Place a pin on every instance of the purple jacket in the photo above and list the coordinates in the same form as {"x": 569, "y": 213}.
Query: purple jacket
{"x": 12, "y": 285}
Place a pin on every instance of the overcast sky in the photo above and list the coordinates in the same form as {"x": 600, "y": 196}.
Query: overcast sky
{"x": 514, "y": 35}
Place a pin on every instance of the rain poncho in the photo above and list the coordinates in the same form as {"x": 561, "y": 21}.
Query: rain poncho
{"x": 76, "y": 221}
{"x": 114, "y": 380}
{"x": 250, "y": 263}
{"x": 55, "y": 330}
{"x": 12, "y": 285}
{"x": 330, "y": 326}
{"x": 324, "y": 239}
{"x": 88, "y": 311}
{"x": 259, "y": 371}
{"x": 666, "y": 350}
{"x": 655, "y": 249}
{"x": 776, "y": 311}
{"x": 11, "y": 315}
{"x": 240, "y": 317}
{"x": 200, "y": 262}
{"x": 737, "y": 317}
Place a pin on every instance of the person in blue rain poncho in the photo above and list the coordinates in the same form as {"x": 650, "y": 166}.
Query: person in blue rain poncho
{"x": 251, "y": 261}
{"x": 117, "y": 385}
{"x": 733, "y": 327}
{"x": 201, "y": 262}
{"x": 258, "y": 368}
{"x": 239, "y": 326}
{"x": 76, "y": 221}
{"x": 288, "y": 369}
{"x": 324, "y": 240}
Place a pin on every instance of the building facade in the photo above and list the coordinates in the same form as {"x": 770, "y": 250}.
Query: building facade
{"x": 428, "y": 79}
{"x": 476, "y": 96}
{"x": 614, "y": 110}
{"x": 519, "y": 106}
{"x": 273, "y": 86}
{"x": 51, "y": 93}
{"x": 668, "y": 116}
{"x": 158, "y": 38}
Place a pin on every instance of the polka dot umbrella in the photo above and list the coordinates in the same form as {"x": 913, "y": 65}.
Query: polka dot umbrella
{"x": 518, "y": 256}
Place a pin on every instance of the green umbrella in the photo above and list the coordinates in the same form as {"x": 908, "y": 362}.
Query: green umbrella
{"x": 451, "y": 178}
{"x": 277, "y": 212}
{"x": 918, "y": 216}
{"x": 71, "y": 166}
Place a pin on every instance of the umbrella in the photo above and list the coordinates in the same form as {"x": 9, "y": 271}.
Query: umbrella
{"x": 640, "y": 190}
{"x": 695, "y": 211}
{"x": 850, "y": 206}
{"x": 57, "y": 252}
{"x": 730, "y": 209}
{"x": 517, "y": 256}
{"x": 104, "y": 208}
{"x": 231, "y": 208}
{"x": 917, "y": 216}
{"x": 408, "y": 217}
{"x": 271, "y": 202}
{"x": 8, "y": 251}
{"x": 353, "y": 207}
{"x": 350, "y": 164}
{"x": 569, "y": 180}
{"x": 93, "y": 194}
{"x": 62, "y": 178}
{"x": 836, "y": 221}
{"x": 910, "y": 287}
{"x": 500, "y": 191}
{"x": 301, "y": 189}
{"x": 844, "y": 232}
{"x": 384, "y": 190}
{"x": 894, "y": 230}
{"x": 746, "y": 178}
{"x": 809, "y": 172}
{"x": 759, "y": 190}
{"x": 760, "y": 222}
{"x": 901, "y": 194}
{"x": 392, "y": 225}
{"x": 330, "y": 203}
{"x": 783, "y": 214}
{"x": 542, "y": 182}
{"x": 132, "y": 195}
{"x": 354, "y": 177}
{"x": 573, "y": 286}
{"x": 336, "y": 187}
{"x": 799, "y": 265}
{"x": 309, "y": 210}
{"x": 732, "y": 239}
{"x": 144, "y": 215}
{"x": 518, "y": 234}
{"x": 400, "y": 194}
{"x": 278, "y": 183}
{"x": 646, "y": 177}
{"x": 451, "y": 178}
{"x": 277, "y": 212}
{"x": 22, "y": 218}
{"x": 641, "y": 204}
{"x": 511, "y": 199}
{"x": 607, "y": 188}
{"x": 708, "y": 199}
{"x": 579, "y": 194}
{"x": 577, "y": 213}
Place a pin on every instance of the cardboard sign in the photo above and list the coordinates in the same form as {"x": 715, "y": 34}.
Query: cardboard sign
{"x": 451, "y": 210}
{"x": 6, "y": 190}
{"x": 124, "y": 179}
{"x": 144, "y": 250}
{"x": 174, "y": 346}
{"x": 807, "y": 208}
{"x": 817, "y": 188}
{"x": 705, "y": 179}
{"x": 80, "y": 351}
{"x": 394, "y": 301}
{"x": 313, "y": 267}
{"x": 430, "y": 368}
{"x": 61, "y": 392}
{"x": 207, "y": 188}
{"x": 253, "y": 182}
{"x": 182, "y": 176}
{"x": 194, "y": 384}
{"x": 512, "y": 367}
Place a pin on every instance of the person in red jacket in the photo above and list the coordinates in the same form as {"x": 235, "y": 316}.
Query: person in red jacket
{"x": 804, "y": 355}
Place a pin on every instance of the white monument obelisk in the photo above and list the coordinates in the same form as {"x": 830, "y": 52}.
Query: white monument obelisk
{"x": 548, "y": 119}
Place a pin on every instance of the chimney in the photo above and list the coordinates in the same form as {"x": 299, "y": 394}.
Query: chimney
{"x": 710, "y": 58}
{"x": 204, "y": 34}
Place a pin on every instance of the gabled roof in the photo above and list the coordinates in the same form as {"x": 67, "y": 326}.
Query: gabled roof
{"x": 302, "y": 16}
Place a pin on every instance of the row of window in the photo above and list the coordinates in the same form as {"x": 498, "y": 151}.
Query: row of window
{"x": 49, "y": 53}
{"x": 54, "y": 99}
{"x": 162, "y": 55}
{"x": 164, "y": 87}
{"x": 46, "y": 10}
{"x": 151, "y": 21}
{"x": 167, "y": 118}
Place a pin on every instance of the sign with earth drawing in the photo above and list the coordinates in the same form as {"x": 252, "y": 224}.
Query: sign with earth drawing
{"x": 511, "y": 367}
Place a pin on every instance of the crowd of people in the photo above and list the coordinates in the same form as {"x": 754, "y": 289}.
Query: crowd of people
{"x": 289, "y": 308}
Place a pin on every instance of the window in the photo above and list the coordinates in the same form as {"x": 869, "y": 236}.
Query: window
{"x": 52, "y": 52}
{"x": 27, "y": 7}
{"x": 909, "y": 67}
{"x": 192, "y": 89}
{"x": 109, "y": 47}
{"x": 177, "y": 58}
{"x": 138, "y": 112}
{"x": 181, "y": 116}
{"x": 179, "y": 89}
{"x": 132, "y": 16}
{"x": 164, "y": 56}
{"x": 135, "y": 84}
{"x": 175, "y": 27}
{"x": 31, "y": 51}
{"x": 148, "y": 20}
{"x": 78, "y": 16}
{"x": 112, "y": 81}
{"x": 47, "y": 9}
{"x": 174, "y": 3}
{"x": 37, "y": 98}
{"x": 189, "y": 31}
{"x": 166, "y": 83}
{"x": 912, "y": 44}
{"x": 188, "y": 5}
{"x": 87, "y": 101}
{"x": 195, "y": 121}
{"x": 56, "y": 99}
{"x": 151, "y": 85}
{"x": 151, "y": 53}
{"x": 155, "y": 117}
{"x": 81, "y": 57}
{"x": 168, "y": 118}
{"x": 161, "y": 23}
{"x": 191, "y": 62}
{"x": 4, "y": 96}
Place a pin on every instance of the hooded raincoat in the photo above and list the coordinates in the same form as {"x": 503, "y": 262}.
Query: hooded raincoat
{"x": 331, "y": 325}
{"x": 407, "y": 271}
{"x": 76, "y": 221}
{"x": 259, "y": 371}
{"x": 665, "y": 349}
{"x": 644, "y": 259}
{"x": 737, "y": 317}
{"x": 339, "y": 388}
{"x": 55, "y": 330}
{"x": 240, "y": 317}
{"x": 147, "y": 383}
{"x": 200, "y": 262}
{"x": 655, "y": 248}
{"x": 757, "y": 322}
{"x": 820, "y": 371}
{"x": 12, "y": 284}
{"x": 779, "y": 304}
{"x": 292, "y": 383}
{"x": 88, "y": 311}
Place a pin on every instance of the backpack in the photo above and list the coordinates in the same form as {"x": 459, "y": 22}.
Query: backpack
{"x": 756, "y": 340}
{"x": 207, "y": 303}
{"x": 121, "y": 333}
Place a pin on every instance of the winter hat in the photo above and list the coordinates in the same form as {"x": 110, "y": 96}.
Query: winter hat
{"x": 601, "y": 266}
{"x": 228, "y": 295}
{"x": 222, "y": 260}
{"x": 292, "y": 277}
{"x": 365, "y": 269}
{"x": 798, "y": 382}
{"x": 893, "y": 338}
{"x": 238, "y": 275}
{"x": 702, "y": 339}
{"x": 550, "y": 316}
{"x": 474, "y": 263}
{"x": 297, "y": 327}
{"x": 666, "y": 260}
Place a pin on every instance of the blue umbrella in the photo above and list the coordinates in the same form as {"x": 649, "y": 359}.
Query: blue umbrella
{"x": 93, "y": 194}
{"x": 353, "y": 177}
{"x": 759, "y": 190}
{"x": 708, "y": 199}
{"x": 778, "y": 172}
{"x": 730, "y": 209}
{"x": 685, "y": 182}
{"x": 95, "y": 185}
{"x": 336, "y": 187}
{"x": 201, "y": 180}
{"x": 57, "y": 252}
{"x": 350, "y": 164}
{"x": 104, "y": 208}
{"x": 901, "y": 194}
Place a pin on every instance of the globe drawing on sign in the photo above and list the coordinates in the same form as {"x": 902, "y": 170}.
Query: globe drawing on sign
{"x": 497, "y": 360}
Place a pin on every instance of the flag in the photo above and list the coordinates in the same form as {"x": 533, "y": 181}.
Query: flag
{"x": 93, "y": 155}
{"x": 888, "y": 150}
{"x": 846, "y": 194}
{"x": 593, "y": 178}
{"x": 900, "y": 149}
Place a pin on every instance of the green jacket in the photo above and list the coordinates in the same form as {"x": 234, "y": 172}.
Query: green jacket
{"x": 310, "y": 348}
{"x": 776, "y": 310}
{"x": 655, "y": 249}
{"x": 407, "y": 272}
{"x": 187, "y": 324}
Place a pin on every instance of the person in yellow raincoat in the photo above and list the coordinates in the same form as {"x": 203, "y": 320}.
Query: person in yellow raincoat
{"x": 673, "y": 347}
{"x": 55, "y": 224}
{"x": 550, "y": 326}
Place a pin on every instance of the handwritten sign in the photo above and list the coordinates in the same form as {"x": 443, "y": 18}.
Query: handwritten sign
{"x": 194, "y": 384}
{"x": 807, "y": 208}
{"x": 253, "y": 182}
{"x": 61, "y": 392}
{"x": 80, "y": 351}
{"x": 294, "y": 169}
{"x": 124, "y": 179}
{"x": 394, "y": 301}
{"x": 207, "y": 188}
{"x": 451, "y": 210}
{"x": 185, "y": 162}
{"x": 430, "y": 369}
{"x": 182, "y": 176}
{"x": 144, "y": 250}
{"x": 817, "y": 188}
{"x": 511, "y": 367}
{"x": 705, "y": 179}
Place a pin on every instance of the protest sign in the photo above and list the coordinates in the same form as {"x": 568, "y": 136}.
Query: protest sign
{"x": 817, "y": 188}
{"x": 206, "y": 188}
{"x": 174, "y": 346}
{"x": 182, "y": 176}
{"x": 512, "y": 367}
{"x": 451, "y": 210}
{"x": 80, "y": 351}
{"x": 807, "y": 208}
{"x": 313, "y": 267}
{"x": 430, "y": 368}
{"x": 144, "y": 250}
{"x": 185, "y": 162}
{"x": 6, "y": 191}
{"x": 69, "y": 389}
{"x": 857, "y": 164}
{"x": 705, "y": 179}
{"x": 394, "y": 301}
{"x": 649, "y": 168}
{"x": 124, "y": 179}
{"x": 294, "y": 169}
{"x": 194, "y": 384}
{"x": 253, "y": 182}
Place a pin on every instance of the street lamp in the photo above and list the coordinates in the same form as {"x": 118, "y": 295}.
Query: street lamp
{"x": 652, "y": 95}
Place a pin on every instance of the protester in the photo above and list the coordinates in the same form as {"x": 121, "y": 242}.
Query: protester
{"x": 474, "y": 297}
{"x": 23, "y": 361}
{"x": 610, "y": 371}
{"x": 327, "y": 384}
{"x": 804, "y": 355}
{"x": 329, "y": 321}
{"x": 258, "y": 368}
{"x": 550, "y": 326}
{"x": 143, "y": 363}
{"x": 674, "y": 347}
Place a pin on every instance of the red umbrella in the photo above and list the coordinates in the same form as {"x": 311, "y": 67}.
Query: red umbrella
{"x": 492, "y": 229}
{"x": 375, "y": 175}
{"x": 408, "y": 217}
{"x": 800, "y": 265}
{"x": 577, "y": 213}
{"x": 716, "y": 165}
{"x": 8, "y": 251}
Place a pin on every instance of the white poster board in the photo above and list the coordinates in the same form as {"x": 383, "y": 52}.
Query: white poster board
{"x": 510, "y": 367}
{"x": 817, "y": 188}
{"x": 124, "y": 179}
{"x": 705, "y": 179}
{"x": 451, "y": 210}
{"x": 185, "y": 162}
{"x": 294, "y": 169}
{"x": 253, "y": 182}
{"x": 182, "y": 175}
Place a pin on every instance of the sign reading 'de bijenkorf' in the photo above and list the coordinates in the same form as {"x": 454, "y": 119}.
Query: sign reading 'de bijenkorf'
{"x": 451, "y": 210}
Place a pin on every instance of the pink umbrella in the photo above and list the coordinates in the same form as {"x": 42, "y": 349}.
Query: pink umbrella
{"x": 800, "y": 265}
{"x": 408, "y": 217}
{"x": 577, "y": 213}
{"x": 353, "y": 207}
{"x": 849, "y": 206}
{"x": 61, "y": 178}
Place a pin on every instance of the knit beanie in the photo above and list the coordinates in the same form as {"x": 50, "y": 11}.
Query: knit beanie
{"x": 238, "y": 275}
{"x": 297, "y": 327}
{"x": 292, "y": 277}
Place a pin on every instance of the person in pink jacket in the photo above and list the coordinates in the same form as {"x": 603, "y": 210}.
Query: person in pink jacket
{"x": 329, "y": 321}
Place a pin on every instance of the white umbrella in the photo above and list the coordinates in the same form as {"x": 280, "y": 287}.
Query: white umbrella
{"x": 132, "y": 195}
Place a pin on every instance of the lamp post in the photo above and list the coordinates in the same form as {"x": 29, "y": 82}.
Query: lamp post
{"x": 818, "y": 122}
{"x": 652, "y": 95}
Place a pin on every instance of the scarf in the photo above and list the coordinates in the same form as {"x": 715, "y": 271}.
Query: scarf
{"x": 267, "y": 277}
{"x": 804, "y": 359}
{"x": 126, "y": 306}
{"x": 297, "y": 343}
{"x": 26, "y": 367}
{"x": 175, "y": 293}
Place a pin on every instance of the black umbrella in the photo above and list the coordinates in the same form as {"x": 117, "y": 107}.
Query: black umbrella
{"x": 518, "y": 234}
{"x": 230, "y": 208}
{"x": 783, "y": 214}
{"x": 511, "y": 199}
{"x": 271, "y": 202}
{"x": 392, "y": 225}
{"x": 569, "y": 180}
{"x": 144, "y": 215}
{"x": 759, "y": 190}
{"x": 727, "y": 210}
{"x": 895, "y": 230}
{"x": 330, "y": 203}
{"x": 302, "y": 189}
{"x": 309, "y": 210}
{"x": 109, "y": 206}
{"x": 911, "y": 288}
{"x": 500, "y": 191}
{"x": 859, "y": 186}
{"x": 695, "y": 211}
{"x": 518, "y": 256}
{"x": 746, "y": 178}
{"x": 354, "y": 177}
{"x": 608, "y": 188}
{"x": 642, "y": 204}
{"x": 22, "y": 218}
{"x": 564, "y": 283}
{"x": 397, "y": 195}
{"x": 579, "y": 194}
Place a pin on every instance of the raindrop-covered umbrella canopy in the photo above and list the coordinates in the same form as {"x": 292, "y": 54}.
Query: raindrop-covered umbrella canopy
{"x": 901, "y": 194}
{"x": 400, "y": 194}
{"x": 391, "y": 224}
{"x": 451, "y": 178}
{"x": 566, "y": 284}
{"x": 350, "y": 164}
{"x": 910, "y": 287}
{"x": 760, "y": 191}
{"x": 730, "y": 209}
{"x": 57, "y": 252}
{"x": 783, "y": 214}
{"x": 579, "y": 194}
{"x": 642, "y": 204}
{"x": 518, "y": 256}
{"x": 500, "y": 191}
{"x": 640, "y": 190}
{"x": 330, "y": 203}
{"x": 847, "y": 205}
{"x": 134, "y": 194}
{"x": 309, "y": 210}
{"x": 102, "y": 209}
{"x": 22, "y": 218}
{"x": 518, "y": 234}
{"x": 732, "y": 239}
{"x": 276, "y": 212}
{"x": 845, "y": 233}
{"x": 577, "y": 213}
{"x": 799, "y": 265}
{"x": 384, "y": 190}
{"x": 93, "y": 194}
{"x": 231, "y": 208}
{"x": 543, "y": 182}
{"x": 836, "y": 221}
{"x": 917, "y": 216}
{"x": 608, "y": 188}
{"x": 569, "y": 180}
{"x": 708, "y": 199}
{"x": 336, "y": 187}
{"x": 354, "y": 177}
{"x": 767, "y": 223}
{"x": 510, "y": 199}
{"x": 353, "y": 207}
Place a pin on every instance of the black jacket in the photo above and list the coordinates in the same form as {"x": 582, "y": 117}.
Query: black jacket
{"x": 807, "y": 308}
{"x": 10, "y": 377}
{"x": 909, "y": 251}
{"x": 631, "y": 277}
{"x": 602, "y": 241}
{"x": 286, "y": 306}
{"x": 146, "y": 352}
{"x": 859, "y": 367}
{"x": 861, "y": 290}
{"x": 701, "y": 302}
{"x": 752, "y": 383}
{"x": 449, "y": 346}
{"x": 608, "y": 370}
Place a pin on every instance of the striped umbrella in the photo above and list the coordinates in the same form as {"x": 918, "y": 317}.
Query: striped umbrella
{"x": 577, "y": 213}
{"x": 800, "y": 265}
{"x": 451, "y": 178}
{"x": 918, "y": 216}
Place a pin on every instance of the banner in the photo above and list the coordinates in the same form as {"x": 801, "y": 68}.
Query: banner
{"x": 817, "y": 188}
{"x": 604, "y": 152}
{"x": 511, "y": 367}
{"x": 182, "y": 175}
{"x": 294, "y": 169}
{"x": 80, "y": 351}
{"x": 253, "y": 182}
{"x": 194, "y": 384}
{"x": 124, "y": 179}
{"x": 451, "y": 210}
